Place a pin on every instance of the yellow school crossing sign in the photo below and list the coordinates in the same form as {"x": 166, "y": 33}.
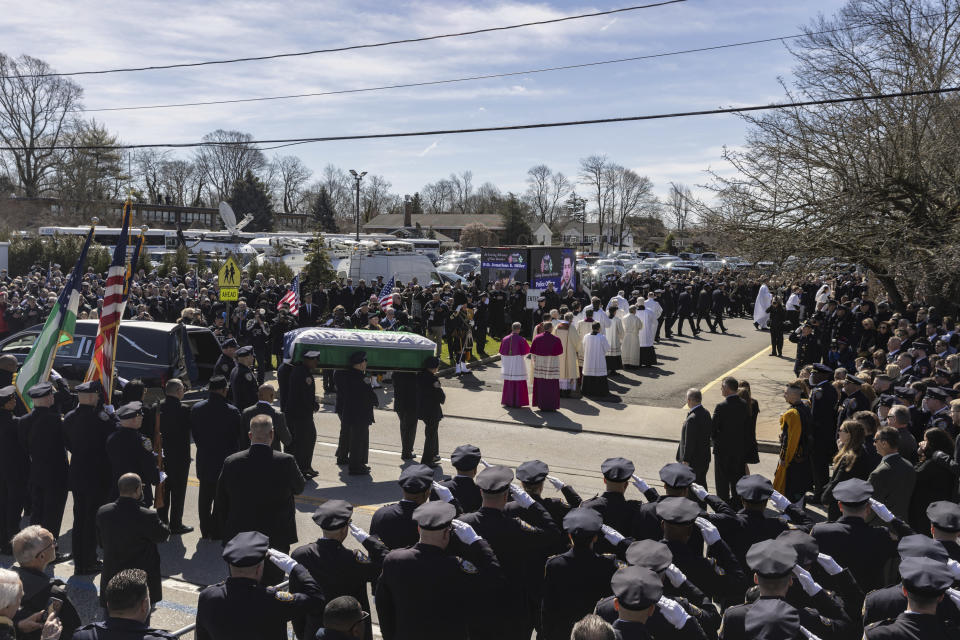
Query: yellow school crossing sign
{"x": 228, "y": 280}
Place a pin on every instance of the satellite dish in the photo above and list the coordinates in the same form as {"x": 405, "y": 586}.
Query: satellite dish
{"x": 228, "y": 217}
{"x": 247, "y": 219}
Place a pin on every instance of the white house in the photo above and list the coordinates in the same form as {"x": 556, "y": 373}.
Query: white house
{"x": 572, "y": 235}
{"x": 543, "y": 234}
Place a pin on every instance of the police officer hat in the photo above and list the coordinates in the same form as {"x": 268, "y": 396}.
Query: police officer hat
{"x": 333, "y": 514}
{"x": 943, "y": 514}
{"x": 650, "y": 554}
{"x": 40, "y": 390}
{"x": 921, "y": 344}
{"x": 7, "y": 392}
{"x": 887, "y": 400}
{"x": 465, "y": 457}
{"x": 582, "y": 521}
{"x": 416, "y": 478}
{"x": 754, "y": 488}
{"x": 636, "y": 588}
{"x": 229, "y": 343}
{"x": 937, "y": 393}
{"x": 803, "y": 543}
{"x": 772, "y": 558}
{"x": 246, "y": 549}
{"x": 617, "y": 469}
{"x": 431, "y": 363}
{"x": 532, "y": 472}
{"x": 494, "y": 479}
{"x": 357, "y": 357}
{"x": 822, "y": 368}
{"x": 130, "y": 410}
{"x": 9, "y": 363}
{"x": 313, "y": 355}
{"x": 676, "y": 510}
{"x": 245, "y": 351}
{"x": 434, "y": 515}
{"x": 852, "y": 379}
{"x": 853, "y": 491}
{"x": 772, "y": 619}
{"x": 925, "y": 577}
{"x": 93, "y": 386}
{"x": 921, "y": 546}
{"x": 905, "y": 392}
{"x": 217, "y": 383}
{"x": 677, "y": 475}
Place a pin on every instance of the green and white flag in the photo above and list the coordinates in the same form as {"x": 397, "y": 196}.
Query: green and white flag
{"x": 57, "y": 331}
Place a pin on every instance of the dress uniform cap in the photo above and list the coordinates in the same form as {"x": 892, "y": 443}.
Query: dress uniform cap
{"x": 357, "y": 357}
{"x": 130, "y": 410}
{"x": 245, "y": 351}
{"x": 93, "y": 386}
{"x": 772, "y": 558}
{"x": 921, "y": 546}
{"x": 853, "y": 491}
{"x": 944, "y": 515}
{"x": 938, "y": 393}
{"x": 754, "y": 488}
{"x": 8, "y": 392}
{"x": 650, "y": 554}
{"x": 921, "y": 344}
{"x": 617, "y": 469}
{"x": 887, "y": 400}
{"x": 904, "y": 392}
{"x": 431, "y": 363}
{"x": 803, "y": 543}
{"x": 246, "y": 549}
{"x": 494, "y": 479}
{"x": 582, "y": 521}
{"x": 924, "y": 576}
{"x": 311, "y": 354}
{"x": 229, "y": 343}
{"x": 218, "y": 382}
{"x": 772, "y": 619}
{"x": 434, "y": 515}
{"x": 532, "y": 471}
{"x": 9, "y": 363}
{"x": 822, "y": 368}
{"x": 636, "y": 588}
{"x": 677, "y": 475}
{"x": 852, "y": 379}
{"x": 333, "y": 514}
{"x": 677, "y": 510}
{"x": 416, "y": 478}
{"x": 465, "y": 457}
{"x": 40, "y": 390}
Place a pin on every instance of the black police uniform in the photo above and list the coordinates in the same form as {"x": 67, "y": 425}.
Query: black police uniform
{"x": 129, "y": 534}
{"x": 243, "y": 387}
{"x": 215, "y": 426}
{"x": 14, "y": 472}
{"x": 656, "y": 625}
{"x": 618, "y": 512}
{"x": 927, "y": 578}
{"x": 85, "y": 431}
{"x": 355, "y": 403}
{"x": 466, "y": 457}
{"x": 857, "y": 401}
{"x": 823, "y": 407}
{"x": 224, "y": 366}
{"x": 120, "y": 629}
{"x": 405, "y": 406}
{"x": 300, "y": 404}
{"x": 41, "y": 434}
{"x": 534, "y": 472}
{"x": 130, "y": 451}
{"x": 430, "y": 397}
{"x": 175, "y": 430}
{"x": 393, "y": 523}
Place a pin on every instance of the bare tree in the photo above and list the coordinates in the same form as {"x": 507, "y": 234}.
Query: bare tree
{"x": 679, "y": 206}
{"x": 632, "y": 197}
{"x": 487, "y": 199}
{"x": 178, "y": 179}
{"x": 375, "y": 197}
{"x": 35, "y": 111}
{"x": 462, "y": 186}
{"x": 595, "y": 175}
{"x": 340, "y": 187}
{"x": 224, "y": 163}
{"x": 290, "y": 175}
{"x": 437, "y": 197}
{"x": 148, "y": 164}
{"x": 546, "y": 190}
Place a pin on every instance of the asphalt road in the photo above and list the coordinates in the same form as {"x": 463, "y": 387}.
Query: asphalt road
{"x": 685, "y": 362}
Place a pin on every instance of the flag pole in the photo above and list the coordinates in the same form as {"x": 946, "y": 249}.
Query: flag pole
{"x": 108, "y": 392}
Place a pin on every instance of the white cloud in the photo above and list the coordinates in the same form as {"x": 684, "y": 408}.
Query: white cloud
{"x": 433, "y": 145}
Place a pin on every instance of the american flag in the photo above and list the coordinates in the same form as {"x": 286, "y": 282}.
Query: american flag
{"x": 292, "y": 297}
{"x": 386, "y": 294}
{"x": 114, "y": 301}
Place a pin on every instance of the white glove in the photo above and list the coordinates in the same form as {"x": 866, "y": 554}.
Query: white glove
{"x": 163, "y": 476}
{"x": 639, "y": 483}
{"x": 784, "y": 518}
{"x": 613, "y": 536}
{"x": 698, "y": 491}
{"x": 709, "y": 532}
{"x": 486, "y": 465}
{"x": 282, "y": 560}
{"x": 56, "y": 377}
{"x": 109, "y": 409}
{"x": 358, "y": 533}
{"x": 809, "y": 635}
{"x": 675, "y": 576}
{"x": 465, "y": 532}
{"x": 954, "y": 568}
{"x": 881, "y": 510}
{"x": 442, "y": 492}
{"x": 556, "y": 482}
{"x": 806, "y": 581}
{"x": 829, "y": 564}
{"x": 672, "y": 612}
{"x": 779, "y": 501}
{"x": 521, "y": 496}
{"x": 954, "y": 595}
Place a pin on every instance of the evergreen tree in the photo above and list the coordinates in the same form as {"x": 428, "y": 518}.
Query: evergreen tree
{"x": 318, "y": 269}
{"x": 516, "y": 230}
{"x": 249, "y": 195}
{"x": 323, "y": 212}
{"x": 416, "y": 205}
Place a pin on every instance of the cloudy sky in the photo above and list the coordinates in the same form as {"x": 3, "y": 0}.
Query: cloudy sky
{"x": 96, "y": 34}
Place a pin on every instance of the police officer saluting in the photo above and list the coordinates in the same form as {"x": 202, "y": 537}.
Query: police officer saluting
{"x": 393, "y": 523}
{"x": 617, "y": 511}
{"x": 299, "y": 405}
{"x": 944, "y": 519}
{"x": 130, "y": 451}
{"x": 338, "y": 570}
{"x": 243, "y": 382}
{"x": 85, "y": 430}
{"x": 241, "y": 608}
{"x": 925, "y": 582}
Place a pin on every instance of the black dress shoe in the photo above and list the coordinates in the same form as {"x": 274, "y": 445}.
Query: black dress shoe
{"x": 362, "y": 471}
{"x": 311, "y": 474}
{"x": 91, "y": 570}
{"x": 62, "y": 557}
{"x": 407, "y": 456}
{"x": 341, "y": 462}
{"x": 180, "y": 529}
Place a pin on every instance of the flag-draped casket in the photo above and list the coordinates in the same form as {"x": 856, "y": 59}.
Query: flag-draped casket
{"x": 386, "y": 350}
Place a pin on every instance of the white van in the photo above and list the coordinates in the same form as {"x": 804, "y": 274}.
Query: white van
{"x": 405, "y": 265}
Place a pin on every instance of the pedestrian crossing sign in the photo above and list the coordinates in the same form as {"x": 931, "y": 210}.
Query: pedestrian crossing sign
{"x": 229, "y": 275}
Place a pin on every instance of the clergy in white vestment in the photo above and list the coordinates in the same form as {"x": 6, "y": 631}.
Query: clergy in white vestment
{"x": 647, "y": 335}
{"x": 614, "y": 333}
{"x": 760, "y": 315}
{"x": 572, "y": 355}
{"x": 620, "y": 302}
{"x": 595, "y": 348}
{"x": 630, "y": 348}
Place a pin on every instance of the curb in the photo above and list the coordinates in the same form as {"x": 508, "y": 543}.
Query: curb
{"x": 448, "y": 371}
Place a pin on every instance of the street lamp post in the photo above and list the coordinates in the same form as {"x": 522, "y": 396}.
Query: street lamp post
{"x": 358, "y": 177}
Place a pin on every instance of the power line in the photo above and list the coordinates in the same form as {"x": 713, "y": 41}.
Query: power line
{"x": 515, "y": 127}
{"x": 355, "y": 46}
{"x": 486, "y": 76}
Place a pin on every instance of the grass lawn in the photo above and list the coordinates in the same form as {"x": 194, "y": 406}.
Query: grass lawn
{"x": 493, "y": 346}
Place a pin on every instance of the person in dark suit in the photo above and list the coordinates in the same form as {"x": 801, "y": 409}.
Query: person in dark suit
{"x": 430, "y": 397}
{"x": 265, "y": 407}
{"x": 405, "y": 406}
{"x": 355, "y": 402}
{"x": 299, "y": 403}
{"x": 215, "y": 425}
{"x": 41, "y": 434}
{"x": 129, "y": 534}
{"x": 128, "y": 609}
{"x": 694, "y": 448}
{"x": 894, "y": 478}
{"x": 175, "y": 430}
{"x": 309, "y": 312}
{"x": 35, "y": 549}
{"x": 130, "y": 451}
{"x": 823, "y": 409}
{"x": 85, "y": 432}
{"x": 730, "y": 419}
{"x": 685, "y": 308}
{"x": 936, "y": 477}
{"x": 720, "y": 303}
{"x": 14, "y": 469}
{"x": 256, "y": 492}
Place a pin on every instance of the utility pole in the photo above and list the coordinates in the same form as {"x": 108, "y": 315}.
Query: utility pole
{"x": 358, "y": 177}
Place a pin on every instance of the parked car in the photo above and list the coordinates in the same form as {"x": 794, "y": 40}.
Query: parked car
{"x": 151, "y": 351}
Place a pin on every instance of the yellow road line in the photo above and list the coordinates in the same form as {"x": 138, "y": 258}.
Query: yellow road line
{"x": 720, "y": 378}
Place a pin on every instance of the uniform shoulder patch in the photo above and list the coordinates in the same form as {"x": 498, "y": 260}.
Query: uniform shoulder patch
{"x": 147, "y": 445}
{"x": 524, "y": 526}
{"x": 467, "y": 567}
{"x": 283, "y": 596}
{"x": 361, "y": 557}
{"x": 716, "y": 567}
{"x": 249, "y": 376}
